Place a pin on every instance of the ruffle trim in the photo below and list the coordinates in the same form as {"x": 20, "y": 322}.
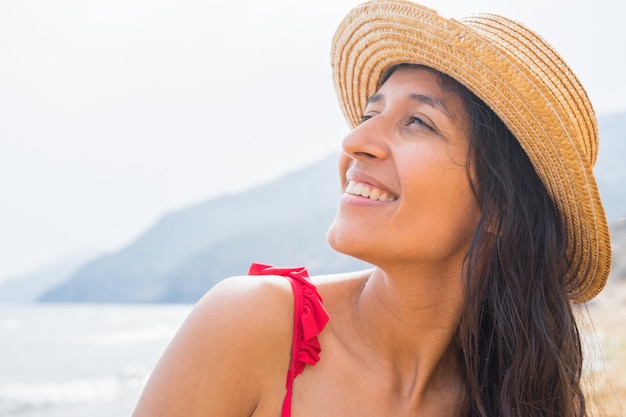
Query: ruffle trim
{"x": 310, "y": 316}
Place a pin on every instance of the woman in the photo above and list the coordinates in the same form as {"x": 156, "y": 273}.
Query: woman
{"x": 466, "y": 182}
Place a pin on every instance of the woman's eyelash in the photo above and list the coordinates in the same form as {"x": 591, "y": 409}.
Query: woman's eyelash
{"x": 421, "y": 122}
{"x": 364, "y": 118}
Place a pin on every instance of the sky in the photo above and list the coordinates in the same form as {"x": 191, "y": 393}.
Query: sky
{"x": 114, "y": 113}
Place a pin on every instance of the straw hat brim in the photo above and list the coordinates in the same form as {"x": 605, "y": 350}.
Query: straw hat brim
{"x": 524, "y": 81}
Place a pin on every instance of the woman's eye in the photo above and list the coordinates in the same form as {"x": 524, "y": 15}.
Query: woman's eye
{"x": 417, "y": 121}
{"x": 365, "y": 118}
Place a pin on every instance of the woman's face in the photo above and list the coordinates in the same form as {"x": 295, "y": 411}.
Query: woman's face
{"x": 406, "y": 197}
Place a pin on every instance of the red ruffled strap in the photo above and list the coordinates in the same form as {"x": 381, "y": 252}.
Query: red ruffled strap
{"x": 310, "y": 317}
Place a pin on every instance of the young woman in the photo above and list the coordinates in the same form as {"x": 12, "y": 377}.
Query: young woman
{"x": 466, "y": 182}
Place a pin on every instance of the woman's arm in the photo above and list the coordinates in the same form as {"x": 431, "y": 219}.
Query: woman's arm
{"x": 227, "y": 355}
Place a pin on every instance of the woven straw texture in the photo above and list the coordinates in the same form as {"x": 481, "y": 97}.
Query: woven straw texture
{"x": 517, "y": 74}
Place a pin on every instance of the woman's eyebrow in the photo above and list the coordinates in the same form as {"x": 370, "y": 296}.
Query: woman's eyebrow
{"x": 434, "y": 102}
{"x": 375, "y": 98}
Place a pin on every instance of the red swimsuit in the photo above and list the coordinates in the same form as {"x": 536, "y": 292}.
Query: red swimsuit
{"x": 310, "y": 317}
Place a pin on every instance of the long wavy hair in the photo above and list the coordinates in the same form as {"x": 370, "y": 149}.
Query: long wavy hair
{"x": 521, "y": 349}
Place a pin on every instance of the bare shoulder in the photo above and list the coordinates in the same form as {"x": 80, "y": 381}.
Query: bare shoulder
{"x": 244, "y": 309}
{"x": 247, "y": 301}
{"x": 232, "y": 350}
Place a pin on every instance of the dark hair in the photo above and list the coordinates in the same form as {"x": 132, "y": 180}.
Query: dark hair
{"x": 521, "y": 348}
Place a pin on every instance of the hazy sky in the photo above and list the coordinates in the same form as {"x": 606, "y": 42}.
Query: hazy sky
{"x": 115, "y": 112}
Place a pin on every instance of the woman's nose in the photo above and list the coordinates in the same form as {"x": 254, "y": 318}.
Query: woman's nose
{"x": 368, "y": 140}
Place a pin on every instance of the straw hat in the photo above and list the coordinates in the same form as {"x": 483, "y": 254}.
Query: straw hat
{"x": 524, "y": 81}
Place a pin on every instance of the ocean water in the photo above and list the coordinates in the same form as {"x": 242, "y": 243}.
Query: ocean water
{"x": 71, "y": 360}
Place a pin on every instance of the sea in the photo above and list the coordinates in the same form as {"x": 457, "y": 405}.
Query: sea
{"x": 87, "y": 360}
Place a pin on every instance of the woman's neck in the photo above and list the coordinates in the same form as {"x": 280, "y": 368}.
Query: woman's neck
{"x": 406, "y": 323}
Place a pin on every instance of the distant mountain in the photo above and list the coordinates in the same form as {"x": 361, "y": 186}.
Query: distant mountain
{"x": 183, "y": 255}
{"x": 610, "y": 168}
{"x": 281, "y": 223}
{"x": 30, "y": 287}
{"x": 618, "y": 240}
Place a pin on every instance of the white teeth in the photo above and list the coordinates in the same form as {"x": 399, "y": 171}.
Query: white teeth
{"x": 363, "y": 190}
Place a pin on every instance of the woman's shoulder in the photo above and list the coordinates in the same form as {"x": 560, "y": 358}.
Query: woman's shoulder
{"x": 231, "y": 350}
{"x": 265, "y": 302}
{"x": 262, "y": 304}
{"x": 261, "y": 307}
{"x": 244, "y": 320}
{"x": 248, "y": 305}
{"x": 234, "y": 348}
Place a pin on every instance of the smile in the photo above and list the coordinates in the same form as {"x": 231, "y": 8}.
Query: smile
{"x": 368, "y": 191}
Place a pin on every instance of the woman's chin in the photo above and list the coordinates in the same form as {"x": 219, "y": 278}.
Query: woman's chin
{"x": 342, "y": 239}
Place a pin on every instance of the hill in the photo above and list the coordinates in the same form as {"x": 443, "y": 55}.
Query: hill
{"x": 610, "y": 170}
{"x": 184, "y": 254}
{"x": 29, "y": 287}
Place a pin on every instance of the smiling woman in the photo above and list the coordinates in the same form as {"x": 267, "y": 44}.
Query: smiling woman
{"x": 467, "y": 183}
